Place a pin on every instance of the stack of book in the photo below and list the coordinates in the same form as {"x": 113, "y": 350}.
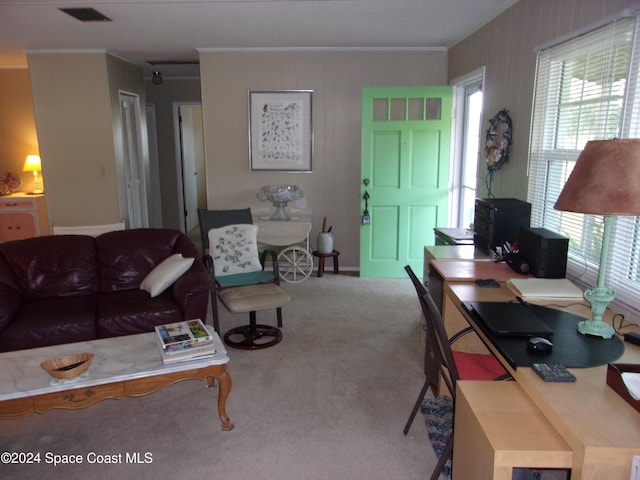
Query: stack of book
{"x": 184, "y": 341}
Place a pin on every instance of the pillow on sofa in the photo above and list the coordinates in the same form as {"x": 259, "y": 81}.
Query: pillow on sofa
{"x": 234, "y": 249}
{"x": 165, "y": 273}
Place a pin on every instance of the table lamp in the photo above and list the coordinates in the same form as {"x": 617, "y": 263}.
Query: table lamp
{"x": 33, "y": 164}
{"x": 604, "y": 181}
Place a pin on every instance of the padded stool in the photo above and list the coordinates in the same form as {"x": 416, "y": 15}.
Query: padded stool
{"x": 322, "y": 257}
{"x": 253, "y": 298}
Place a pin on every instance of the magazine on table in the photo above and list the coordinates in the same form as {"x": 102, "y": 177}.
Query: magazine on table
{"x": 189, "y": 353}
{"x": 183, "y": 353}
{"x": 177, "y": 336}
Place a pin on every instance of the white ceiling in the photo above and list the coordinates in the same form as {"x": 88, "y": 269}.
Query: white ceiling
{"x": 144, "y": 31}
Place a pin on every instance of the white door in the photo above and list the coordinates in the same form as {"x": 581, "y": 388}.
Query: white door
{"x": 190, "y": 144}
{"x": 134, "y": 173}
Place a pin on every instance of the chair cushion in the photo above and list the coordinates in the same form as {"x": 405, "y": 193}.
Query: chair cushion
{"x": 234, "y": 249}
{"x": 253, "y": 298}
{"x": 476, "y": 366}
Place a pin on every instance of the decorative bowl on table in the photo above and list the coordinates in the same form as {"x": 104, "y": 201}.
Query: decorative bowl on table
{"x": 67, "y": 366}
{"x": 280, "y": 196}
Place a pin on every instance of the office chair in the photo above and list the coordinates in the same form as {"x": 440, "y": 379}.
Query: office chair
{"x": 441, "y": 361}
{"x": 238, "y": 276}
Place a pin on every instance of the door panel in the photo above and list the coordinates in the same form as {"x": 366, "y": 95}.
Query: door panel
{"x": 405, "y": 158}
{"x": 385, "y": 240}
{"x": 386, "y": 159}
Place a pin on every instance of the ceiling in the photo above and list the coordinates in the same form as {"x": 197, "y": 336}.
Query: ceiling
{"x": 168, "y": 33}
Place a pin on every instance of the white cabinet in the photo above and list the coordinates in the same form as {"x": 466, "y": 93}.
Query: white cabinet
{"x": 22, "y": 216}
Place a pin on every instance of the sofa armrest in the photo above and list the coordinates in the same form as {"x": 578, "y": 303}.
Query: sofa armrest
{"x": 191, "y": 292}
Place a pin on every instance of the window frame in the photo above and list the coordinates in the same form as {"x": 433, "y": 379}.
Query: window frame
{"x": 550, "y": 166}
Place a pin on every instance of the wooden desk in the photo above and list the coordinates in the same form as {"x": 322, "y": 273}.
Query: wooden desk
{"x": 600, "y": 427}
{"x": 465, "y": 270}
{"x": 502, "y": 430}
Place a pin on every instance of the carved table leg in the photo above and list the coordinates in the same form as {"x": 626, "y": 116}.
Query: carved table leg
{"x": 224, "y": 381}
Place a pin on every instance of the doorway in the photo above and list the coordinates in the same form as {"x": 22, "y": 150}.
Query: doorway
{"x": 192, "y": 190}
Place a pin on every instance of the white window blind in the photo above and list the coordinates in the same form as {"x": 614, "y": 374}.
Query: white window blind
{"x": 586, "y": 89}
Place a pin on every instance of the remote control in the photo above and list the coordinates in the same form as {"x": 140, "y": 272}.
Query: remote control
{"x": 553, "y": 372}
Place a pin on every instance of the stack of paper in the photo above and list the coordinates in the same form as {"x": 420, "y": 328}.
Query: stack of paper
{"x": 632, "y": 382}
{"x": 544, "y": 288}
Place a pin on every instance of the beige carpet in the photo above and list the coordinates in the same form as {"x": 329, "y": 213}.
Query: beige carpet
{"x": 329, "y": 402}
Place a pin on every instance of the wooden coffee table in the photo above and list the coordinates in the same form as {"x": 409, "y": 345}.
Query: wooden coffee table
{"x": 128, "y": 366}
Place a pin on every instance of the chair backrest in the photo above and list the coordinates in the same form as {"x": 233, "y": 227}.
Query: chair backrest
{"x": 209, "y": 219}
{"x": 440, "y": 358}
{"x": 92, "y": 230}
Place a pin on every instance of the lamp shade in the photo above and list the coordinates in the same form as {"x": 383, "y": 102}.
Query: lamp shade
{"x": 32, "y": 164}
{"x": 605, "y": 180}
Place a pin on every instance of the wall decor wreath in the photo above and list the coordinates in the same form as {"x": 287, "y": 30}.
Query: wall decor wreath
{"x": 498, "y": 140}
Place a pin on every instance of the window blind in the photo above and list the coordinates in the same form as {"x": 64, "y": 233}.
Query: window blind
{"x": 586, "y": 89}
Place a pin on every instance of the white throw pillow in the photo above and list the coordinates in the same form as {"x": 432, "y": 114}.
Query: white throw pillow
{"x": 165, "y": 273}
{"x": 234, "y": 249}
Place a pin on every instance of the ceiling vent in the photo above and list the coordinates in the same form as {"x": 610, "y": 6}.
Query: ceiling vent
{"x": 85, "y": 14}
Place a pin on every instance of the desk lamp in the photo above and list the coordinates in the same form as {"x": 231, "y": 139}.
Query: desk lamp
{"x": 33, "y": 164}
{"x": 604, "y": 181}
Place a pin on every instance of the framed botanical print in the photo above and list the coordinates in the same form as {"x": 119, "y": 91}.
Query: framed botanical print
{"x": 280, "y": 131}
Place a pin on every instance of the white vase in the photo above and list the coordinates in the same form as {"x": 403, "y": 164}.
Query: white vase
{"x": 325, "y": 242}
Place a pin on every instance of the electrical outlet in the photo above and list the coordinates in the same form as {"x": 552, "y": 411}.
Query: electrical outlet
{"x": 635, "y": 468}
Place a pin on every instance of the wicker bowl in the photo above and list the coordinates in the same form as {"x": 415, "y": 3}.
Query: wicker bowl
{"x": 68, "y": 366}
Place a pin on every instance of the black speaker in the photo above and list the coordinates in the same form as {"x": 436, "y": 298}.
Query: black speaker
{"x": 546, "y": 252}
{"x": 498, "y": 220}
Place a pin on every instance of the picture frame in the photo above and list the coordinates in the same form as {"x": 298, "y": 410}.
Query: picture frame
{"x": 280, "y": 131}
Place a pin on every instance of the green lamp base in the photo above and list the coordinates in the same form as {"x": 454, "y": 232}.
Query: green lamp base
{"x": 599, "y": 298}
{"x": 598, "y": 329}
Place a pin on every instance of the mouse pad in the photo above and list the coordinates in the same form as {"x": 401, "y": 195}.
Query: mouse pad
{"x": 570, "y": 348}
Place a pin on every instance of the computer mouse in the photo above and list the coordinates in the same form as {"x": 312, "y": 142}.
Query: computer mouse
{"x": 539, "y": 344}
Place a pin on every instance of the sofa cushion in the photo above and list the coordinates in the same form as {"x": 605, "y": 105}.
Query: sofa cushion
{"x": 165, "y": 274}
{"x": 53, "y": 266}
{"x": 51, "y": 321}
{"x": 133, "y": 311}
{"x": 125, "y": 258}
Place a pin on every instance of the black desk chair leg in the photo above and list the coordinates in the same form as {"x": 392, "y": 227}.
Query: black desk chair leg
{"x": 416, "y": 406}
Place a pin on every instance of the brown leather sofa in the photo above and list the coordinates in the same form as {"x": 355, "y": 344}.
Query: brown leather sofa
{"x": 69, "y": 288}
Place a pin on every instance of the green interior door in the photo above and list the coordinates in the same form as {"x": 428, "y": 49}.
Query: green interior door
{"x": 406, "y": 136}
